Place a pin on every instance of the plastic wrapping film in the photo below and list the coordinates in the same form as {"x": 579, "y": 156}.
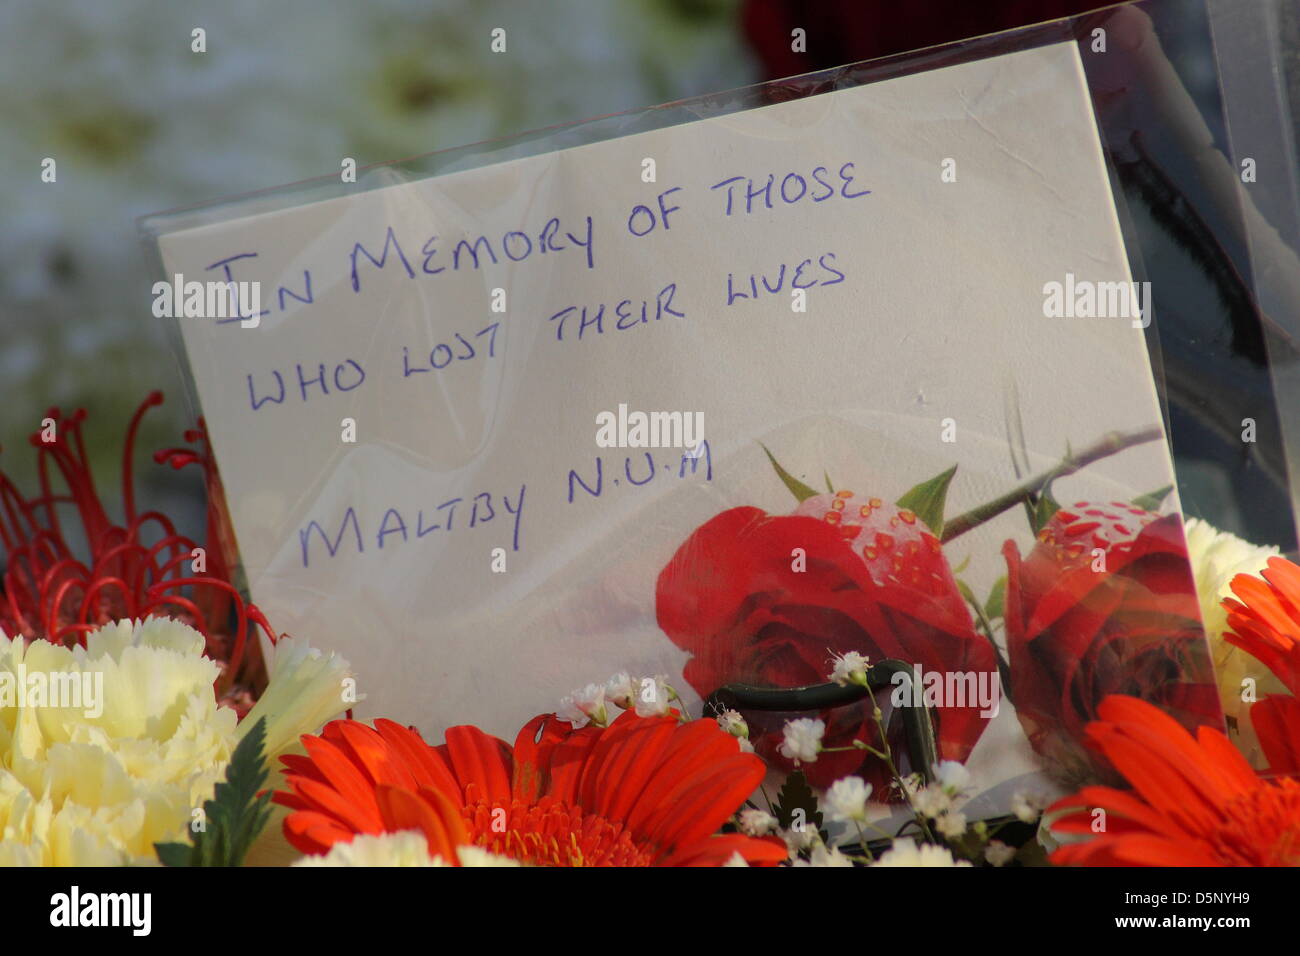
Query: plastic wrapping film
{"x": 680, "y": 392}
{"x": 1259, "y": 127}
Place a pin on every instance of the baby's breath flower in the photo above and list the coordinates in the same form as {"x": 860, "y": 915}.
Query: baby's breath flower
{"x": 619, "y": 689}
{"x": 850, "y": 668}
{"x": 798, "y": 839}
{"x": 756, "y": 823}
{"x": 952, "y": 776}
{"x": 584, "y": 706}
{"x": 951, "y": 824}
{"x": 905, "y": 852}
{"x": 912, "y": 784}
{"x": 823, "y": 855}
{"x": 654, "y": 696}
{"x": 803, "y": 739}
{"x": 846, "y": 800}
{"x": 998, "y": 853}
{"x": 931, "y": 801}
{"x": 1026, "y": 806}
{"x": 733, "y": 723}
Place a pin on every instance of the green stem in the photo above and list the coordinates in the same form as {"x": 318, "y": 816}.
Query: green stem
{"x": 888, "y": 755}
{"x": 984, "y": 624}
{"x": 1104, "y": 447}
{"x": 862, "y": 837}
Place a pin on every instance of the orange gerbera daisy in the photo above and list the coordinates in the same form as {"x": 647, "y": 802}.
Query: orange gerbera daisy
{"x": 1265, "y": 623}
{"x": 645, "y": 791}
{"x": 1195, "y": 800}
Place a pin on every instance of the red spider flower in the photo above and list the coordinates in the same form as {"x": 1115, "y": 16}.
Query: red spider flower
{"x": 873, "y": 579}
{"x": 136, "y": 569}
{"x": 1265, "y": 623}
{"x": 645, "y": 791}
{"x": 1103, "y": 604}
{"x": 1195, "y": 800}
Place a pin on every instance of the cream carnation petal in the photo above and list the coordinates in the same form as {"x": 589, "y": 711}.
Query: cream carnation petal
{"x": 305, "y": 691}
{"x": 407, "y": 848}
{"x": 91, "y": 786}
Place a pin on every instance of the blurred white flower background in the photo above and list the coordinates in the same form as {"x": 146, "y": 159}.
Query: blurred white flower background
{"x": 139, "y": 123}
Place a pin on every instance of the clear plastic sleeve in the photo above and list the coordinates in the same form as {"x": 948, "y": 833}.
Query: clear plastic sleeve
{"x": 681, "y": 392}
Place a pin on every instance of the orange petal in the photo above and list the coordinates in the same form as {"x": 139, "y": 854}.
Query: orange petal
{"x": 361, "y": 815}
{"x": 717, "y": 850}
{"x": 480, "y": 759}
{"x": 314, "y": 833}
{"x": 404, "y": 810}
{"x": 423, "y": 761}
{"x": 707, "y": 805}
{"x": 339, "y": 772}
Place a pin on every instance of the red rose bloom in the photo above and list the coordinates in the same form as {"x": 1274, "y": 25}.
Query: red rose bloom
{"x": 1104, "y": 604}
{"x": 767, "y": 600}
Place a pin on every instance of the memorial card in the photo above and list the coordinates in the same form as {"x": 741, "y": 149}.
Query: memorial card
{"x": 734, "y": 400}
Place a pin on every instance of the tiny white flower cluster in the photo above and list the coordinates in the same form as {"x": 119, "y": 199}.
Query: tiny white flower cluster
{"x": 806, "y": 848}
{"x": 850, "y": 668}
{"x": 939, "y": 800}
{"x": 823, "y": 855}
{"x": 756, "y": 823}
{"x": 803, "y": 842}
{"x": 803, "y": 739}
{"x": 905, "y": 852}
{"x": 998, "y": 853}
{"x": 584, "y": 706}
{"x": 845, "y": 801}
{"x": 734, "y": 724}
{"x": 648, "y": 696}
{"x": 1027, "y": 807}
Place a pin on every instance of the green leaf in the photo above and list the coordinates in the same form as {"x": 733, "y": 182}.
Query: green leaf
{"x": 174, "y": 854}
{"x": 797, "y": 487}
{"x": 965, "y": 563}
{"x": 995, "y": 607}
{"x": 1152, "y": 500}
{"x": 797, "y": 795}
{"x": 964, "y": 589}
{"x": 234, "y": 816}
{"x": 1044, "y": 509}
{"x": 927, "y": 500}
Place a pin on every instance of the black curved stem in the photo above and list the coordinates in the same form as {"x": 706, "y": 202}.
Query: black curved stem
{"x": 918, "y": 726}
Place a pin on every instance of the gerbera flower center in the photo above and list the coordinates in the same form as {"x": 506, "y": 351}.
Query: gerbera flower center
{"x": 1262, "y": 827}
{"x": 550, "y": 833}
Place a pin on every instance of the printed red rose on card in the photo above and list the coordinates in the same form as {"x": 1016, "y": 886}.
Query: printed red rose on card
{"x": 1103, "y": 604}
{"x": 769, "y": 599}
